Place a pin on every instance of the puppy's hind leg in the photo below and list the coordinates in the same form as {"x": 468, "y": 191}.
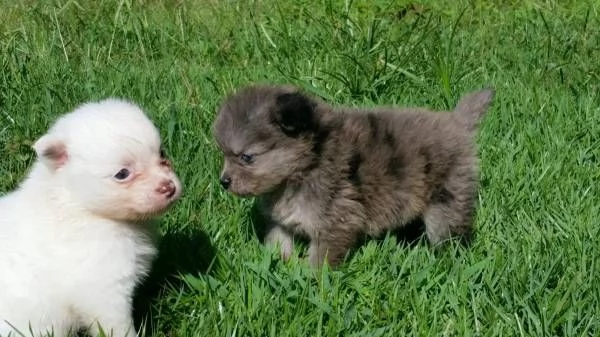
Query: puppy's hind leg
{"x": 443, "y": 221}
{"x": 450, "y": 210}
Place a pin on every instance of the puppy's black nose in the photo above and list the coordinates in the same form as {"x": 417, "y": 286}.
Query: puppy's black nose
{"x": 225, "y": 181}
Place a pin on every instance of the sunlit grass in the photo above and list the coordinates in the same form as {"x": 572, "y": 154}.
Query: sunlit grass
{"x": 533, "y": 268}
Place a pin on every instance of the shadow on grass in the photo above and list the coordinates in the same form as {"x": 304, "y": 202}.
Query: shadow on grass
{"x": 179, "y": 253}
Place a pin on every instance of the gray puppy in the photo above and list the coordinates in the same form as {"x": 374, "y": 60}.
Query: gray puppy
{"x": 333, "y": 174}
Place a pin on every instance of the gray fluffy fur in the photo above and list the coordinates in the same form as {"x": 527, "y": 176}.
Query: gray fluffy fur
{"x": 333, "y": 174}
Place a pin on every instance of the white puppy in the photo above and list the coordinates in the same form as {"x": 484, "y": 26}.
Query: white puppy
{"x": 75, "y": 237}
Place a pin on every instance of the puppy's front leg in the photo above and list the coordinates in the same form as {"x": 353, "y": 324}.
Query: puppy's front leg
{"x": 331, "y": 245}
{"x": 111, "y": 317}
{"x": 278, "y": 236}
{"x": 114, "y": 326}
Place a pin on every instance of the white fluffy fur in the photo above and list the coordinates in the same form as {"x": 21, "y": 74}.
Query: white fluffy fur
{"x": 75, "y": 240}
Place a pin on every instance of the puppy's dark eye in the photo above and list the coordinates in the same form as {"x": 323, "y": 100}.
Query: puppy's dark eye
{"x": 163, "y": 154}
{"x": 122, "y": 174}
{"x": 247, "y": 158}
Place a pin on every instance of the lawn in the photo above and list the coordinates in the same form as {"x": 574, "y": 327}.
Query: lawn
{"x": 534, "y": 267}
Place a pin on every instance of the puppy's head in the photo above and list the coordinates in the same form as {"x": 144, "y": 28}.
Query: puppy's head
{"x": 107, "y": 157}
{"x": 268, "y": 135}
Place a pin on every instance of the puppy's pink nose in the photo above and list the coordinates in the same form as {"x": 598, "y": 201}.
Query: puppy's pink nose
{"x": 167, "y": 188}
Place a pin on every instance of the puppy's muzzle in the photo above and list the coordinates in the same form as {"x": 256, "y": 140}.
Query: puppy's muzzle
{"x": 167, "y": 188}
{"x": 225, "y": 181}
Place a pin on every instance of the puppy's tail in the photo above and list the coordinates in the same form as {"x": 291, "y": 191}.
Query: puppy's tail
{"x": 472, "y": 107}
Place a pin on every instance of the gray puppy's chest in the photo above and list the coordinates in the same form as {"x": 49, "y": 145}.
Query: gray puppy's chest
{"x": 295, "y": 210}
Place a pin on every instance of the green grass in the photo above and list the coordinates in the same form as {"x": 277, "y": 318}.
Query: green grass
{"x": 534, "y": 268}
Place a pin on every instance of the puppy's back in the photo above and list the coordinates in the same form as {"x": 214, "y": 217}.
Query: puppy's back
{"x": 393, "y": 159}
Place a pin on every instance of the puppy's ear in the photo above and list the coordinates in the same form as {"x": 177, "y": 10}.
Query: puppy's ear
{"x": 51, "y": 151}
{"x": 294, "y": 113}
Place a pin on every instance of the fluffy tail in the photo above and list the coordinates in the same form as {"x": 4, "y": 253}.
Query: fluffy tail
{"x": 472, "y": 107}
